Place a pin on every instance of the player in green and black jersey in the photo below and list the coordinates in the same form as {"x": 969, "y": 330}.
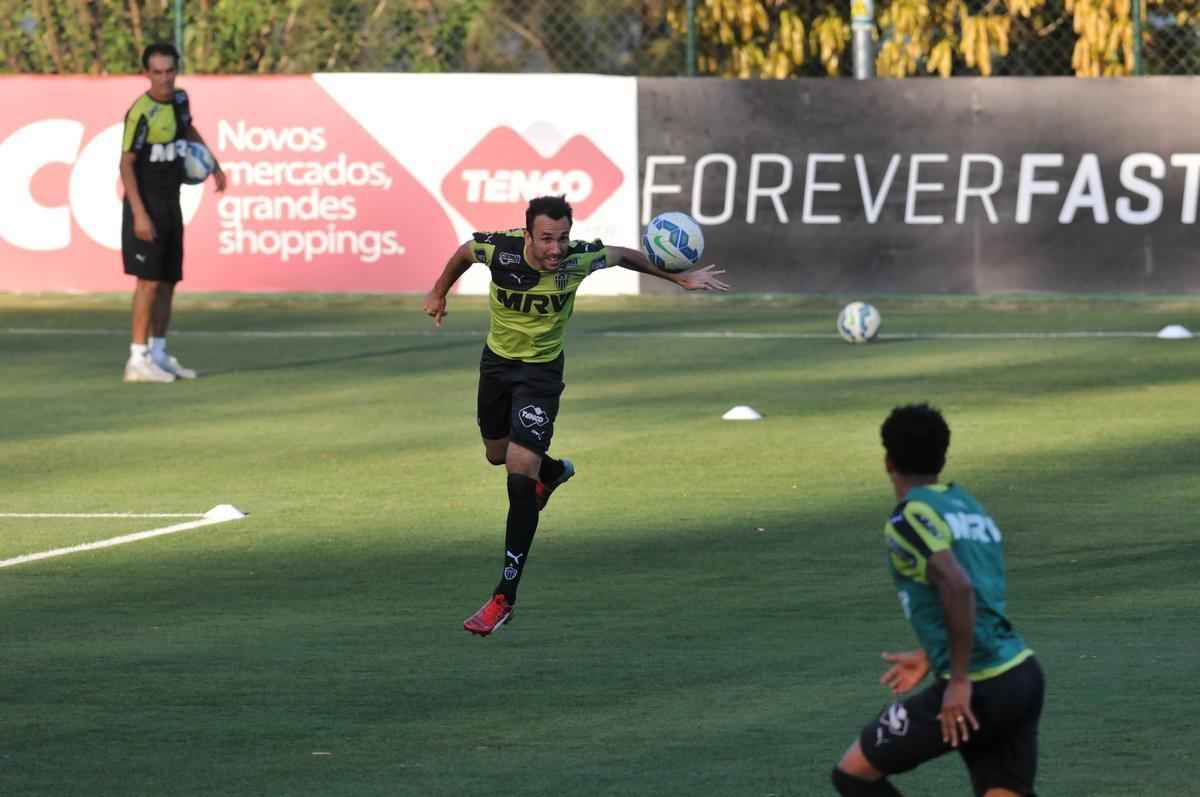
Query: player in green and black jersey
{"x": 157, "y": 128}
{"x": 535, "y": 274}
{"x": 944, "y": 553}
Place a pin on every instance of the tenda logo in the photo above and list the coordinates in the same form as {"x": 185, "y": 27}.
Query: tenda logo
{"x": 492, "y": 185}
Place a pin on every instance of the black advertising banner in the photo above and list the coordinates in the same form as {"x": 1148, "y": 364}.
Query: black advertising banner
{"x": 932, "y": 186}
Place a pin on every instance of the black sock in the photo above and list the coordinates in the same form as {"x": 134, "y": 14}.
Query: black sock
{"x": 850, "y": 786}
{"x": 518, "y": 535}
{"x": 550, "y": 471}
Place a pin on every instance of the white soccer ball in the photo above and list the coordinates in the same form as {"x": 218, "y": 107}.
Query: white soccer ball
{"x": 858, "y": 322}
{"x": 198, "y": 163}
{"x": 673, "y": 241}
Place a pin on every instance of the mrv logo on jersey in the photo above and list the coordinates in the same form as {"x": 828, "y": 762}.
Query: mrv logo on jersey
{"x": 543, "y": 303}
{"x": 970, "y": 526}
{"x": 165, "y": 153}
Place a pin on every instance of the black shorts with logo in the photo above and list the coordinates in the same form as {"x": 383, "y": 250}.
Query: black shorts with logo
{"x": 519, "y": 400}
{"x": 161, "y": 259}
{"x": 1001, "y": 754}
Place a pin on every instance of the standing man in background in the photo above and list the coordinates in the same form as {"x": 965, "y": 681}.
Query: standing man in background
{"x": 157, "y": 129}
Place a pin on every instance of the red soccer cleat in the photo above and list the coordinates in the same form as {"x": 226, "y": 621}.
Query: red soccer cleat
{"x": 543, "y": 491}
{"x": 491, "y": 615}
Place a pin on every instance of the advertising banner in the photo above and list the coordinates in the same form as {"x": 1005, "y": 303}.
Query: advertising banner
{"x": 337, "y": 183}
{"x": 961, "y": 186}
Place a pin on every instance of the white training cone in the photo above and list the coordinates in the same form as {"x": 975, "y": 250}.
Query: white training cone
{"x": 1174, "y": 332}
{"x": 742, "y": 413}
{"x": 224, "y": 512}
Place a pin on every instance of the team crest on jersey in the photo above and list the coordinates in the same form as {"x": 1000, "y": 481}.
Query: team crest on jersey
{"x": 561, "y": 278}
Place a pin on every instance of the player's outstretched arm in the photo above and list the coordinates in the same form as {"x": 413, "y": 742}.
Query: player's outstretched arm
{"x": 456, "y": 266}
{"x": 908, "y": 668}
{"x": 699, "y": 279}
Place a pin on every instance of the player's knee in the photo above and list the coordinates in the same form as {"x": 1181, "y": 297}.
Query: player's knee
{"x": 495, "y": 451}
{"x": 850, "y": 786}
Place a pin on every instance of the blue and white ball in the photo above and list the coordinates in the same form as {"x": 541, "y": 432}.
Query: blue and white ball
{"x": 198, "y": 163}
{"x": 858, "y": 323}
{"x": 673, "y": 241}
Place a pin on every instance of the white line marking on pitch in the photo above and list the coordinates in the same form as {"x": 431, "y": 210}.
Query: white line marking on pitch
{"x": 402, "y": 333}
{"x": 100, "y": 514}
{"x": 266, "y": 333}
{"x": 218, "y": 514}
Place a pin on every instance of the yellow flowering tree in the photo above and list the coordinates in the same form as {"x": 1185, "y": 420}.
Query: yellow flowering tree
{"x": 795, "y": 38}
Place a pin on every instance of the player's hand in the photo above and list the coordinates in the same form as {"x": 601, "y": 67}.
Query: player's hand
{"x": 143, "y": 228}
{"x": 957, "y": 718}
{"x": 219, "y": 179}
{"x": 435, "y": 306}
{"x": 702, "y": 279}
{"x": 907, "y": 670}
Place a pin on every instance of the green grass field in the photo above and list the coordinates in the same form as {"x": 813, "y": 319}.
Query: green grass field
{"x": 705, "y": 604}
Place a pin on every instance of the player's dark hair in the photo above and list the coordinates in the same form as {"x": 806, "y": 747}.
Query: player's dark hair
{"x": 916, "y": 438}
{"x": 159, "y": 48}
{"x": 555, "y": 207}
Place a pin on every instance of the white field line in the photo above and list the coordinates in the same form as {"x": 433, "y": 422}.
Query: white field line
{"x": 218, "y": 514}
{"x": 897, "y": 336}
{"x": 96, "y": 514}
{"x": 706, "y": 335}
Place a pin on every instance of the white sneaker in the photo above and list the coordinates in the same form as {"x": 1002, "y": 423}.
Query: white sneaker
{"x": 172, "y": 366}
{"x": 143, "y": 369}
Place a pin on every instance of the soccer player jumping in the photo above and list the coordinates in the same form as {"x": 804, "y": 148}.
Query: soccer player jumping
{"x": 535, "y": 274}
{"x": 945, "y": 558}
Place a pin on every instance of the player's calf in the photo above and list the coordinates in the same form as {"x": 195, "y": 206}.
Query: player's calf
{"x": 850, "y": 786}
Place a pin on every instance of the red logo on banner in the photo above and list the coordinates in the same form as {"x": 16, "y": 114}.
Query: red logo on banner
{"x": 492, "y": 185}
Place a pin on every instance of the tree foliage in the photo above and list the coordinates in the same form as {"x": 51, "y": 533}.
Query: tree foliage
{"x": 235, "y": 36}
{"x": 735, "y": 38}
{"x": 791, "y": 38}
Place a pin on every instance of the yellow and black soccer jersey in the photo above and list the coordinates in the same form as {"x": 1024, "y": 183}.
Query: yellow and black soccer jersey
{"x": 947, "y": 517}
{"x": 157, "y": 133}
{"x": 530, "y": 308}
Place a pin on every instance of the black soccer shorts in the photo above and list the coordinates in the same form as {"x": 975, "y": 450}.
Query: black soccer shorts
{"x": 161, "y": 259}
{"x": 1001, "y": 754}
{"x": 519, "y": 400}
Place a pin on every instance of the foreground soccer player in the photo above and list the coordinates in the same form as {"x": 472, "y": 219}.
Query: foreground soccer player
{"x": 535, "y": 274}
{"x": 946, "y": 560}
